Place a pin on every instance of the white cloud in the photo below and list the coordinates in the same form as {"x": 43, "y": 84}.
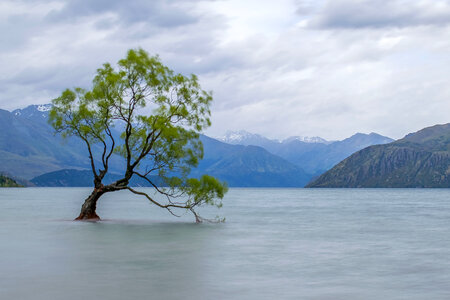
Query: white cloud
{"x": 380, "y": 13}
{"x": 271, "y": 70}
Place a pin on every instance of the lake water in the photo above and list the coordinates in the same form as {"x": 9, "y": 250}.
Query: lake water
{"x": 275, "y": 244}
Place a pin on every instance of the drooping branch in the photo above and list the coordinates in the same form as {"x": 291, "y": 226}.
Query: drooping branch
{"x": 170, "y": 205}
{"x": 162, "y": 192}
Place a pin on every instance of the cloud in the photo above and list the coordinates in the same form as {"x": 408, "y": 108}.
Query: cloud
{"x": 159, "y": 13}
{"x": 333, "y": 83}
{"x": 353, "y": 14}
{"x": 327, "y": 68}
{"x": 54, "y": 45}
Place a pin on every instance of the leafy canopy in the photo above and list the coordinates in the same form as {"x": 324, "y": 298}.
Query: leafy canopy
{"x": 164, "y": 144}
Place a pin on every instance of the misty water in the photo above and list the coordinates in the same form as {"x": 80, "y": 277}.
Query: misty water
{"x": 275, "y": 244}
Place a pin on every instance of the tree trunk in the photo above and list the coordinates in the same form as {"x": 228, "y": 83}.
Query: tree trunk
{"x": 88, "y": 209}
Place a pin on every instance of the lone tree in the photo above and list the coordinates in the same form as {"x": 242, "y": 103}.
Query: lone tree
{"x": 161, "y": 147}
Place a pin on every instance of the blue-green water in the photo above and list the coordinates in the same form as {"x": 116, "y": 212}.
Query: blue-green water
{"x": 275, "y": 244}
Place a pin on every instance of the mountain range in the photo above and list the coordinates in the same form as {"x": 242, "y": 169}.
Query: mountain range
{"x": 420, "y": 159}
{"x": 243, "y": 137}
{"x": 315, "y": 155}
{"x": 29, "y": 149}
{"x": 242, "y": 166}
{"x": 248, "y": 166}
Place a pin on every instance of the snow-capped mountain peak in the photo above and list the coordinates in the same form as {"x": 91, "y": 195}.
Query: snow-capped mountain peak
{"x": 236, "y": 136}
{"x": 306, "y": 139}
{"x": 44, "y": 107}
{"x": 246, "y": 138}
{"x": 34, "y": 111}
{"x": 243, "y": 137}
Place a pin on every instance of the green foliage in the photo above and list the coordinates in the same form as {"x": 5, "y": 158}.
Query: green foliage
{"x": 160, "y": 114}
{"x": 8, "y": 182}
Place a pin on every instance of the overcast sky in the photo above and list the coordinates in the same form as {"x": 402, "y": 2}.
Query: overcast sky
{"x": 278, "y": 68}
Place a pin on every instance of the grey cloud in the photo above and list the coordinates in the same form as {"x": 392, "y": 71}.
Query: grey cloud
{"x": 16, "y": 30}
{"x": 300, "y": 80}
{"x": 45, "y": 55}
{"x": 52, "y": 78}
{"x": 156, "y": 15}
{"x": 159, "y": 13}
{"x": 357, "y": 82}
{"x": 39, "y": 85}
{"x": 350, "y": 14}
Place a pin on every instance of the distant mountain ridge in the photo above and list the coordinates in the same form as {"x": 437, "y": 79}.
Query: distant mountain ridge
{"x": 420, "y": 159}
{"x": 306, "y": 139}
{"x": 29, "y": 146}
{"x": 30, "y": 149}
{"x": 314, "y": 155}
{"x": 248, "y": 166}
{"x": 243, "y": 137}
{"x": 82, "y": 178}
{"x": 34, "y": 111}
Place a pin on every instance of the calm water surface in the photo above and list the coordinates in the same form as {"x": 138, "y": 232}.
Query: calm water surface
{"x": 275, "y": 244}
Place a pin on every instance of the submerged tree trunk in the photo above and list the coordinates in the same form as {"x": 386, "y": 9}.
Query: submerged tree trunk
{"x": 88, "y": 209}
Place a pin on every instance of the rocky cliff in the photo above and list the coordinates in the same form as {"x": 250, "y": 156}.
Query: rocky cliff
{"x": 420, "y": 159}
